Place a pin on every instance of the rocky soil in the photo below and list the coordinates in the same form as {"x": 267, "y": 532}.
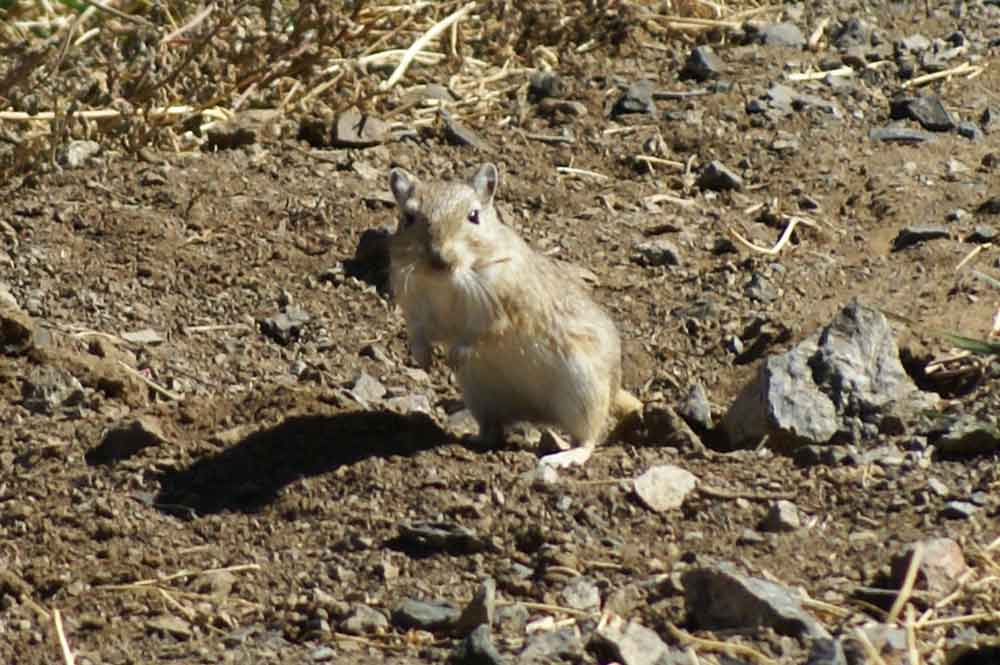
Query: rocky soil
{"x": 216, "y": 447}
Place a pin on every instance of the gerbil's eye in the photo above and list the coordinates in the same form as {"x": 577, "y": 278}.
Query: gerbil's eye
{"x": 407, "y": 220}
{"x": 474, "y": 216}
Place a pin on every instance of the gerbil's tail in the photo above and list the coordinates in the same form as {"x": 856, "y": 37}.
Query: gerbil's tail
{"x": 625, "y": 405}
{"x": 627, "y": 412}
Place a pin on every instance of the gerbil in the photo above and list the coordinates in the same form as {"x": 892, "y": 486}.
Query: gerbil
{"x": 524, "y": 338}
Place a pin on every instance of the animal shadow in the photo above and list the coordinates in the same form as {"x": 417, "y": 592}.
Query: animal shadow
{"x": 250, "y": 474}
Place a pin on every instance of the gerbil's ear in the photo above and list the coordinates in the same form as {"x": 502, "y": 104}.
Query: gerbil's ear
{"x": 402, "y": 184}
{"x": 485, "y": 182}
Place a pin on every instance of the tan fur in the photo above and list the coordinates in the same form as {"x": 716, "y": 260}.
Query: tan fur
{"x": 524, "y": 338}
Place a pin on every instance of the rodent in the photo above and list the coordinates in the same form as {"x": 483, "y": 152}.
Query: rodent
{"x": 523, "y": 336}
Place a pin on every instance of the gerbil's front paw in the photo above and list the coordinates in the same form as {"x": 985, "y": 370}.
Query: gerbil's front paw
{"x": 567, "y": 458}
{"x": 490, "y": 436}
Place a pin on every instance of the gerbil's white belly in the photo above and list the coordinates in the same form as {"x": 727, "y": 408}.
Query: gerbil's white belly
{"x": 509, "y": 379}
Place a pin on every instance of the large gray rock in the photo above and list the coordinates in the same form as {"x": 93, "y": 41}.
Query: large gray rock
{"x": 844, "y": 384}
{"x": 719, "y": 597}
{"x": 628, "y": 642}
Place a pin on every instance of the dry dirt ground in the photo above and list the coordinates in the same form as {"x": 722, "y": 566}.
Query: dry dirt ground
{"x": 270, "y": 470}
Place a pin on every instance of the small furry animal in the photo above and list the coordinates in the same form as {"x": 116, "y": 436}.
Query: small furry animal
{"x": 524, "y": 338}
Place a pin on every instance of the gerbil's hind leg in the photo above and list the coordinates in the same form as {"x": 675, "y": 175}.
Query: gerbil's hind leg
{"x": 491, "y": 435}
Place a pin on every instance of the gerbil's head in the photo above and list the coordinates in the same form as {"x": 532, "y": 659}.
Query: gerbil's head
{"x": 445, "y": 226}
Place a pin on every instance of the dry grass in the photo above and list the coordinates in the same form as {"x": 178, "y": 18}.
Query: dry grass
{"x": 140, "y": 75}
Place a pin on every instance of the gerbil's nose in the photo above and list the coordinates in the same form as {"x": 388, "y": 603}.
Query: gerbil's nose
{"x": 437, "y": 260}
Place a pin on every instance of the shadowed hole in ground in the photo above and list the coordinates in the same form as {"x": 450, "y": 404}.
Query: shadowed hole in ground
{"x": 250, "y": 474}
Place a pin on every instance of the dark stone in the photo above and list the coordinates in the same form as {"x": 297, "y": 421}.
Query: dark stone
{"x": 286, "y": 326}
{"x": 125, "y": 440}
{"x": 990, "y": 206}
{"x": 918, "y": 233}
{"x": 717, "y": 176}
{"x": 477, "y": 649}
{"x": 900, "y": 135}
{"x": 703, "y": 64}
{"x": 982, "y": 235}
{"x": 637, "y": 98}
{"x": 430, "y": 537}
{"x": 719, "y": 597}
{"x": 425, "y": 615}
{"x": 782, "y": 34}
{"x": 545, "y": 85}
{"x": 968, "y": 130}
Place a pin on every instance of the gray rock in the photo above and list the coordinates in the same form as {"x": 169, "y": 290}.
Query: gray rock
{"x": 48, "y": 389}
{"x": 356, "y": 130}
{"x": 940, "y": 568}
{"x": 782, "y": 34}
{"x": 477, "y": 649}
{"x": 824, "y": 651}
{"x": 367, "y": 389}
{"x": 169, "y": 624}
{"x": 719, "y": 598}
{"x": 696, "y": 409}
{"x": 751, "y": 537}
{"x": 938, "y": 487}
{"x": 545, "y": 85}
{"x": 430, "y": 537}
{"x": 656, "y": 252}
{"x": 918, "y": 233}
{"x": 959, "y": 510}
{"x": 967, "y": 435}
{"x": 126, "y": 439}
{"x": 982, "y": 235}
{"x": 78, "y": 153}
{"x": 322, "y": 654}
{"x": 990, "y": 206}
{"x": 781, "y": 516}
{"x": 7, "y": 299}
{"x": 703, "y": 64}
{"x": 852, "y": 33}
{"x": 760, "y": 288}
{"x": 718, "y": 177}
{"x": 664, "y": 487}
{"x": 285, "y": 326}
{"x": 581, "y": 593}
{"x": 925, "y": 109}
{"x": 968, "y": 130}
{"x": 628, "y": 642}
{"x": 886, "y": 639}
{"x": 513, "y": 618}
{"x": 637, "y": 98}
{"x": 834, "y": 383}
{"x": 409, "y": 403}
{"x": 425, "y": 615}
{"x": 551, "y": 646}
{"x": 900, "y": 135}
{"x": 363, "y": 620}
{"x": 456, "y": 133}
{"x": 913, "y": 44}
{"x": 144, "y": 337}
{"x": 480, "y": 610}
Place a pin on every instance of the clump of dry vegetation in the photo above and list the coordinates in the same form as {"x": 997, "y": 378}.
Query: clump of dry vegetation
{"x": 139, "y": 75}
